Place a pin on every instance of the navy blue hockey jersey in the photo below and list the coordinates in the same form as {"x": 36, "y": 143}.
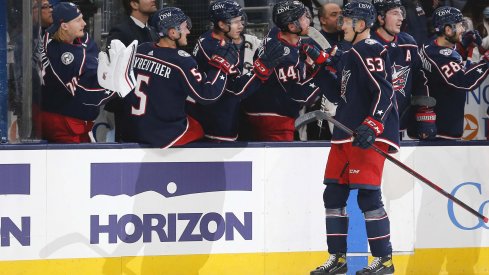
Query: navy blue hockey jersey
{"x": 70, "y": 86}
{"x": 154, "y": 111}
{"x": 220, "y": 118}
{"x": 287, "y": 89}
{"x": 449, "y": 80}
{"x": 366, "y": 90}
{"x": 408, "y": 78}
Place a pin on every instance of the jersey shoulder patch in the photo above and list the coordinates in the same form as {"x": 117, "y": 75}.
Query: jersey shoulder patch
{"x": 183, "y": 53}
{"x": 446, "y": 52}
{"x": 370, "y": 41}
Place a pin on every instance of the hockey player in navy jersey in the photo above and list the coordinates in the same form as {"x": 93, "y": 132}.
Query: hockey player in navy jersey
{"x": 271, "y": 111}
{"x": 367, "y": 105}
{"x": 448, "y": 77}
{"x": 71, "y": 94}
{"x": 166, "y": 75}
{"x": 408, "y": 80}
{"x": 220, "y": 119}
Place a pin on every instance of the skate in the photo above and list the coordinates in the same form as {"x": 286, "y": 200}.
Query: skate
{"x": 380, "y": 265}
{"x": 335, "y": 265}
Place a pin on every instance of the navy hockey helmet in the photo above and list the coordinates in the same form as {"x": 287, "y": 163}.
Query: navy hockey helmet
{"x": 169, "y": 18}
{"x": 383, "y": 6}
{"x": 444, "y": 16}
{"x": 224, "y": 10}
{"x": 287, "y": 12}
{"x": 485, "y": 12}
{"x": 360, "y": 10}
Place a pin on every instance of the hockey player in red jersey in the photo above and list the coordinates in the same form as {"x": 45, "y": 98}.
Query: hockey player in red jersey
{"x": 448, "y": 77}
{"x": 408, "y": 80}
{"x": 367, "y": 105}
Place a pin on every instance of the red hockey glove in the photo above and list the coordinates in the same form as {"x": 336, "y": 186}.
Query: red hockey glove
{"x": 426, "y": 123}
{"x": 271, "y": 53}
{"x": 225, "y": 58}
{"x": 366, "y": 133}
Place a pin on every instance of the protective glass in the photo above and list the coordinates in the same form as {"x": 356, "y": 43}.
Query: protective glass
{"x": 240, "y": 20}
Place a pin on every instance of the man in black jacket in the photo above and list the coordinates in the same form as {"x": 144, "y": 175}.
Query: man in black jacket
{"x": 133, "y": 27}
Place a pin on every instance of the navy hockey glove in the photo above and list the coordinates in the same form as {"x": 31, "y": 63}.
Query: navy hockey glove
{"x": 225, "y": 58}
{"x": 426, "y": 123}
{"x": 366, "y": 133}
{"x": 271, "y": 53}
{"x": 470, "y": 37}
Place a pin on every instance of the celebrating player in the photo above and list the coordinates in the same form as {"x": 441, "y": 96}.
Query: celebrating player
{"x": 71, "y": 93}
{"x": 448, "y": 77}
{"x": 220, "y": 119}
{"x": 165, "y": 76}
{"x": 271, "y": 111}
{"x": 408, "y": 80}
{"x": 367, "y": 105}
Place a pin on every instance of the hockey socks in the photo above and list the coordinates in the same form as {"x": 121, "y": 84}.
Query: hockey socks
{"x": 336, "y": 229}
{"x": 378, "y": 232}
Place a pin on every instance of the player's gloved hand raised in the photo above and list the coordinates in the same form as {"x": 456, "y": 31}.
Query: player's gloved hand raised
{"x": 320, "y": 56}
{"x": 426, "y": 123}
{"x": 269, "y": 56}
{"x": 470, "y": 37}
{"x": 365, "y": 134}
{"x": 225, "y": 58}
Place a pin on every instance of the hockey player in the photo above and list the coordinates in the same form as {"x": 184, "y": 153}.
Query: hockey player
{"x": 166, "y": 75}
{"x": 71, "y": 94}
{"x": 220, "y": 119}
{"x": 448, "y": 77}
{"x": 408, "y": 79}
{"x": 271, "y": 111}
{"x": 368, "y": 106}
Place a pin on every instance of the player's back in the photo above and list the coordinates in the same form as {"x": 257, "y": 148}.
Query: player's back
{"x": 155, "y": 110}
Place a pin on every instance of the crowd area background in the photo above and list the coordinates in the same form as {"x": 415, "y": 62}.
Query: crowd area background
{"x": 24, "y": 79}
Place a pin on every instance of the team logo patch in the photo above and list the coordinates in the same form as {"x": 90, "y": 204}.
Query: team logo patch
{"x": 399, "y": 78}
{"x": 446, "y": 52}
{"x": 67, "y": 58}
{"x": 183, "y": 53}
{"x": 370, "y": 41}
{"x": 286, "y": 51}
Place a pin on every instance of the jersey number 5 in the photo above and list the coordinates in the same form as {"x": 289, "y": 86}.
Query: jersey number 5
{"x": 141, "y": 95}
{"x": 375, "y": 64}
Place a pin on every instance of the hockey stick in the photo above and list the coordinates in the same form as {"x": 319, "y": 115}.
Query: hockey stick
{"x": 315, "y": 115}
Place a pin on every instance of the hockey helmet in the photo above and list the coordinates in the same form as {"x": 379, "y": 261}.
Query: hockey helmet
{"x": 288, "y": 12}
{"x": 383, "y": 6}
{"x": 169, "y": 18}
{"x": 360, "y": 10}
{"x": 485, "y": 12}
{"x": 225, "y": 10}
{"x": 444, "y": 16}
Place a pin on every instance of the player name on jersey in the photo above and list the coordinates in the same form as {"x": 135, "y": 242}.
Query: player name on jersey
{"x": 152, "y": 66}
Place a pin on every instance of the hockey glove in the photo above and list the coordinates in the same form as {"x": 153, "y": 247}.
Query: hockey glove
{"x": 225, "y": 58}
{"x": 470, "y": 37}
{"x": 270, "y": 55}
{"x": 366, "y": 133}
{"x": 426, "y": 123}
{"x": 115, "y": 70}
{"x": 316, "y": 55}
